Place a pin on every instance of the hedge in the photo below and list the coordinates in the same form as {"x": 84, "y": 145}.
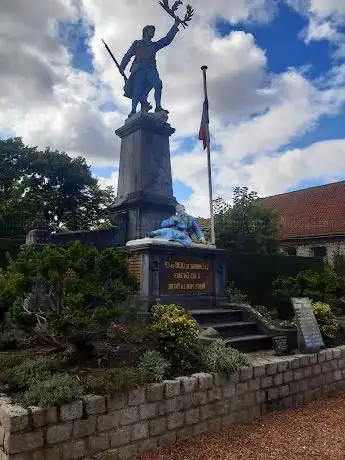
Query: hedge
{"x": 10, "y": 246}
{"x": 254, "y": 274}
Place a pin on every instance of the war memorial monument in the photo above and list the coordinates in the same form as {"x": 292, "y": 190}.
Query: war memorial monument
{"x": 168, "y": 251}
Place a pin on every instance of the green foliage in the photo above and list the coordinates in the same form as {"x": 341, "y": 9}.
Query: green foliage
{"x": 253, "y": 274}
{"x": 115, "y": 380}
{"x": 267, "y": 314}
{"x": 10, "y": 360}
{"x": 175, "y": 334}
{"x": 246, "y": 226}
{"x": 320, "y": 287}
{"x": 86, "y": 289}
{"x": 134, "y": 333}
{"x": 154, "y": 365}
{"x": 235, "y": 295}
{"x": 326, "y": 320}
{"x": 338, "y": 263}
{"x": 8, "y": 248}
{"x": 56, "y": 389}
{"x": 33, "y": 180}
{"x": 16, "y": 339}
{"x": 31, "y": 371}
{"x": 218, "y": 358}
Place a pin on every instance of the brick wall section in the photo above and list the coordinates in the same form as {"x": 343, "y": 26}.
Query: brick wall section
{"x": 134, "y": 266}
{"x": 146, "y": 418}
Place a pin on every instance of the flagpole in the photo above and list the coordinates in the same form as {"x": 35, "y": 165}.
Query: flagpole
{"x": 209, "y": 166}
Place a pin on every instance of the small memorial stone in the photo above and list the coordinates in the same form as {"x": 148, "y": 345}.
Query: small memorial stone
{"x": 309, "y": 335}
{"x": 280, "y": 345}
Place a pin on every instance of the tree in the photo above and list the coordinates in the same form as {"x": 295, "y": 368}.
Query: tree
{"x": 245, "y": 226}
{"x": 48, "y": 182}
{"x": 70, "y": 293}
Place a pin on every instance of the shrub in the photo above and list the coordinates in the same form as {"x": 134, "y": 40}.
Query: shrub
{"x": 235, "y": 295}
{"x": 134, "y": 334}
{"x": 154, "y": 365}
{"x": 56, "y": 389}
{"x": 10, "y": 360}
{"x": 267, "y": 314}
{"x": 218, "y": 358}
{"x": 175, "y": 334}
{"x": 16, "y": 339}
{"x": 32, "y": 371}
{"x": 75, "y": 291}
{"x": 319, "y": 287}
{"x": 326, "y": 320}
{"x": 115, "y": 380}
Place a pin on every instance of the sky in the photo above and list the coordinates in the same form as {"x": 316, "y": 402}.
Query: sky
{"x": 276, "y": 83}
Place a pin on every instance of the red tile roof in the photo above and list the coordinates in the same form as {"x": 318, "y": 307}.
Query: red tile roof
{"x": 312, "y": 212}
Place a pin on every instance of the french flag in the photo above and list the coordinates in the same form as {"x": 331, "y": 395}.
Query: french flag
{"x": 204, "y": 130}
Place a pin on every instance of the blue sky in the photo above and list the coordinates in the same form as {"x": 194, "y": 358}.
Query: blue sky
{"x": 282, "y": 41}
{"x": 276, "y": 89}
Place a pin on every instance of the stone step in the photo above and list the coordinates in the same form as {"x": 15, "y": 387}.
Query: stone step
{"x": 250, "y": 342}
{"x": 234, "y": 329}
{"x": 216, "y": 316}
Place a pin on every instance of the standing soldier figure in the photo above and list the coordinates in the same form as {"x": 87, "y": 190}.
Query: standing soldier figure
{"x": 144, "y": 74}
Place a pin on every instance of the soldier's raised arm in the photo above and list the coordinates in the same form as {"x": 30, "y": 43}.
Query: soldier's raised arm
{"x": 165, "y": 41}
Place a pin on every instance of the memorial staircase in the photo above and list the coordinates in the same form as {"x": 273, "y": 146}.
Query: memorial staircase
{"x": 234, "y": 327}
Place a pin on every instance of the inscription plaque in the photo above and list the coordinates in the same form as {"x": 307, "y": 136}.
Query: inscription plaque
{"x": 280, "y": 345}
{"x": 186, "y": 276}
{"x": 309, "y": 335}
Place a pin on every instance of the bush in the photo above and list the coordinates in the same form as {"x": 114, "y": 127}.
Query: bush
{"x": 10, "y": 360}
{"x": 326, "y": 320}
{"x": 267, "y": 314}
{"x": 319, "y": 287}
{"x": 134, "y": 334}
{"x": 254, "y": 274}
{"x": 76, "y": 290}
{"x": 115, "y": 380}
{"x": 175, "y": 335}
{"x": 235, "y": 295}
{"x": 56, "y": 389}
{"x": 32, "y": 371}
{"x": 154, "y": 366}
{"x": 218, "y": 358}
{"x": 16, "y": 339}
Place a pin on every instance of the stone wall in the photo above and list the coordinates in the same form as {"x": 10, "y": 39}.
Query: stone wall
{"x": 109, "y": 237}
{"x": 146, "y": 418}
{"x": 305, "y": 249}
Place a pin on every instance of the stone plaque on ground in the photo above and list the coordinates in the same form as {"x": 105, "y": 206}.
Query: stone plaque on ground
{"x": 280, "y": 345}
{"x": 186, "y": 276}
{"x": 309, "y": 335}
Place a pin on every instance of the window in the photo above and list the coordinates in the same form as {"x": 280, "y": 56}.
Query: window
{"x": 290, "y": 251}
{"x": 319, "y": 251}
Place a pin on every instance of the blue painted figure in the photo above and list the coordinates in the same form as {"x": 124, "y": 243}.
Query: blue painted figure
{"x": 179, "y": 228}
{"x": 144, "y": 74}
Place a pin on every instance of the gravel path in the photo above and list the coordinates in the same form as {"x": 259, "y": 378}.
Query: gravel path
{"x": 314, "y": 432}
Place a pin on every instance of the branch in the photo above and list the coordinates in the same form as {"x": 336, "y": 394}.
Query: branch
{"x": 172, "y": 11}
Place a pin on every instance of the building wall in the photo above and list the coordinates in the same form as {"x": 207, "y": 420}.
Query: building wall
{"x": 305, "y": 249}
{"x": 143, "y": 419}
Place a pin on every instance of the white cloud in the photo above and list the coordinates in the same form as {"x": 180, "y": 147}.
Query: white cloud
{"x": 253, "y": 114}
{"x": 109, "y": 181}
{"x": 42, "y": 98}
{"x": 326, "y": 22}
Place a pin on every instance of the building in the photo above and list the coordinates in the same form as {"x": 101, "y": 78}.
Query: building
{"x": 312, "y": 221}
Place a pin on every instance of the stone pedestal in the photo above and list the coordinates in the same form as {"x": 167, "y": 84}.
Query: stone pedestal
{"x": 145, "y": 193}
{"x": 194, "y": 277}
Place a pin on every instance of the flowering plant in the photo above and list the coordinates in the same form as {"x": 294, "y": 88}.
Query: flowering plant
{"x": 176, "y": 333}
{"x": 326, "y": 320}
